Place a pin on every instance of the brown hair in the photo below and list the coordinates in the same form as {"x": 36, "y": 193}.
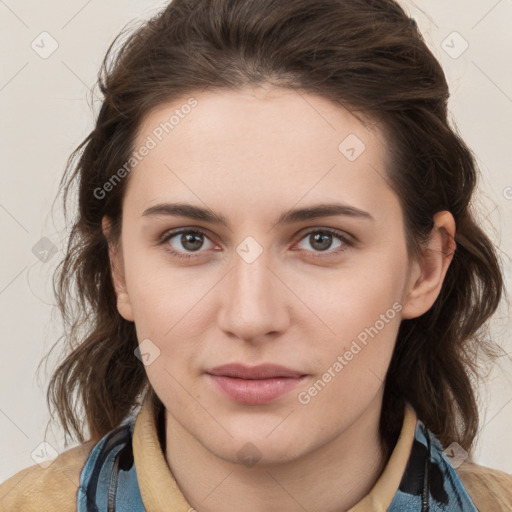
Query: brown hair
{"x": 366, "y": 55}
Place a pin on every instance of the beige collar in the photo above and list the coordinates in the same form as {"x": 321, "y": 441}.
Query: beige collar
{"x": 160, "y": 492}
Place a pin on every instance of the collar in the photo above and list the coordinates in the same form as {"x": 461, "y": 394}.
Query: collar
{"x": 160, "y": 491}
{"x": 127, "y": 470}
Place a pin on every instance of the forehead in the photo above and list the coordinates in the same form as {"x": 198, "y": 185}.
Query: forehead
{"x": 258, "y": 145}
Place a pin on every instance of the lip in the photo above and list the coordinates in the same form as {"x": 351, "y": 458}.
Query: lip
{"x": 261, "y": 371}
{"x": 254, "y": 385}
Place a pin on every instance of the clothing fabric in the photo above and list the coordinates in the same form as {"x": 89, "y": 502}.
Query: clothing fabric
{"x": 126, "y": 471}
{"x": 429, "y": 483}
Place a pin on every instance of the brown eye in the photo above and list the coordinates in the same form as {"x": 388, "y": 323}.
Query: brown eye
{"x": 321, "y": 241}
{"x": 328, "y": 241}
{"x": 191, "y": 241}
{"x": 185, "y": 242}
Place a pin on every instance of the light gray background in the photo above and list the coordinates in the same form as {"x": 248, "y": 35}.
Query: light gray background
{"x": 45, "y": 114}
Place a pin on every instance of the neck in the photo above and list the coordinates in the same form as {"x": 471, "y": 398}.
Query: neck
{"x": 332, "y": 478}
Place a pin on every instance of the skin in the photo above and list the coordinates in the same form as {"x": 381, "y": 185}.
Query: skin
{"x": 250, "y": 155}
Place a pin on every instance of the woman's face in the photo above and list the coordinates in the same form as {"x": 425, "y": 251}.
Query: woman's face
{"x": 282, "y": 280}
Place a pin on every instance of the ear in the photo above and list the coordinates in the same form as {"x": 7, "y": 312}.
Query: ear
{"x": 115, "y": 252}
{"x": 427, "y": 275}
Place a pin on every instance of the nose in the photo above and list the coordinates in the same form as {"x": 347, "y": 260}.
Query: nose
{"x": 254, "y": 300}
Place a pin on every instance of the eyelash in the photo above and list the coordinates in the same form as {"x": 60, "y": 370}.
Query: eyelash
{"x": 347, "y": 243}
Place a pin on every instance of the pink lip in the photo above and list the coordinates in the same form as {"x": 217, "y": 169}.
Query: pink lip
{"x": 254, "y": 385}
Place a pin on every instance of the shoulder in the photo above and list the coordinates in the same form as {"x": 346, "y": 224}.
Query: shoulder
{"x": 490, "y": 489}
{"x": 53, "y": 487}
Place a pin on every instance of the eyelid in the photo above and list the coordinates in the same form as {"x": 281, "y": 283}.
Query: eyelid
{"x": 333, "y": 231}
{"x": 178, "y": 231}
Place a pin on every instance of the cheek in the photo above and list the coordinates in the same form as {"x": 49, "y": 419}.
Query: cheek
{"x": 351, "y": 371}
{"x": 359, "y": 322}
{"x": 161, "y": 295}
{"x": 343, "y": 303}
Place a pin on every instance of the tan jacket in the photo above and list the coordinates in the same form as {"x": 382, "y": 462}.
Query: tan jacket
{"x": 54, "y": 488}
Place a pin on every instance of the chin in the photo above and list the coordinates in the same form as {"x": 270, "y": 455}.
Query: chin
{"x": 255, "y": 449}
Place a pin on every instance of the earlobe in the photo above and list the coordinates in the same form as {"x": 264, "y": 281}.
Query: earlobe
{"x": 427, "y": 276}
{"x": 124, "y": 306}
{"x": 115, "y": 252}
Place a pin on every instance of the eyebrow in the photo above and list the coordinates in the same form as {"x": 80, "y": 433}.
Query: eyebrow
{"x": 288, "y": 217}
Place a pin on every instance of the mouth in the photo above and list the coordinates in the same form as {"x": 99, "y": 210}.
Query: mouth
{"x": 254, "y": 385}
